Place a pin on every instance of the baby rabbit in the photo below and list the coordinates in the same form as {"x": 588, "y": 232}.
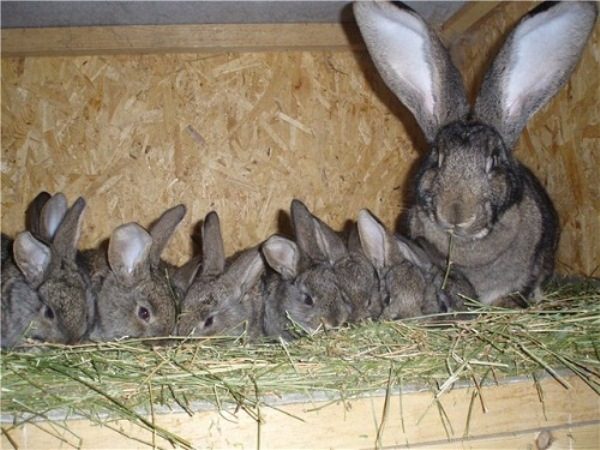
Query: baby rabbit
{"x": 43, "y": 287}
{"x": 223, "y": 300}
{"x": 504, "y": 226}
{"x": 305, "y": 290}
{"x": 410, "y": 285}
{"x": 134, "y": 295}
{"x": 20, "y": 301}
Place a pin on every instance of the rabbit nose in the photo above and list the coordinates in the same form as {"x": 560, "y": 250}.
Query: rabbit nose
{"x": 453, "y": 217}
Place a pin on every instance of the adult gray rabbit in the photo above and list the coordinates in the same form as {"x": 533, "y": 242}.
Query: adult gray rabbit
{"x": 410, "y": 284}
{"x": 223, "y": 299}
{"x": 504, "y": 227}
{"x": 135, "y": 297}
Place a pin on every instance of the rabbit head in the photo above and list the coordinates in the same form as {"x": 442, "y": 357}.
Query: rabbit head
{"x": 222, "y": 300}
{"x": 469, "y": 184}
{"x": 409, "y": 283}
{"x": 359, "y": 280}
{"x": 307, "y": 290}
{"x": 20, "y": 301}
{"x": 135, "y": 297}
{"x": 63, "y": 286}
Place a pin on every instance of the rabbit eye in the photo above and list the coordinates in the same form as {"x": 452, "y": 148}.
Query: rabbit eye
{"x": 49, "y": 313}
{"x": 208, "y": 322}
{"x": 440, "y": 159}
{"x": 307, "y": 299}
{"x": 143, "y": 313}
{"x": 387, "y": 300}
{"x": 492, "y": 161}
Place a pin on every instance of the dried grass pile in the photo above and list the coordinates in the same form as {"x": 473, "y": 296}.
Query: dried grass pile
{"x": 135, "y": 380}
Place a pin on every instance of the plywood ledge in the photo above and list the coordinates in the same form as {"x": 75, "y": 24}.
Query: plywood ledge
{"x": 138, "y": 39}
{"x": 519, "y": 414}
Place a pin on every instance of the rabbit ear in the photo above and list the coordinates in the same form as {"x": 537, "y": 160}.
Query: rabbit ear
{"x": 282, "y": 255}
{"x": 533, "y": 64}
{"x": 354, "y": 244}
{"x": 67, "y": 235}
{"x": 245, "y": 271}
{"x": 162, "y": 229}
{"x": 413, "y": 63}
{"x": 53, "y": 212}
{"x": 128, "y": 251}
{"x": 33, "y": 215}
{"x": 184, "y": 276}
{"x": 374, "y": 239}
{"x": 413, "y": 253}
{"x": 32, "y": 257}
{"x": 314, "y": 237}
{"x": 213, "y": 252}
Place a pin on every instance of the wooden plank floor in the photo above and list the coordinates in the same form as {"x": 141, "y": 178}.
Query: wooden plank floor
{"x": 515, "y": 418}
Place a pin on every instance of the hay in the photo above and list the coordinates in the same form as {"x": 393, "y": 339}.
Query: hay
{"x": 133, "y": 380}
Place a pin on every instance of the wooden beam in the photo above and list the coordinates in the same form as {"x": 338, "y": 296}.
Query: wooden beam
{"x": 179, "y": 38}
{"x": 517, "y": 415}
{"x": 465, "y": 18}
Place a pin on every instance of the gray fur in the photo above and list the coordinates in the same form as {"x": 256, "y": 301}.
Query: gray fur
{"x": 505, "y": 229}
{"x": 134, "y": 295}
{"x": 20, "y": 301}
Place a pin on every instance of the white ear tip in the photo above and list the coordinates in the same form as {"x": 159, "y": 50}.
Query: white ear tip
{"x": 28, "y": 243}
{"x": 364, "y": 216}
{"x": 130, "y": 244}
{"x": 131, "y": 233}
{"x": 278, "y": 243}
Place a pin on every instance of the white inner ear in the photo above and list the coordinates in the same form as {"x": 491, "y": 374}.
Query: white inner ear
{"x": 31, "y": 256}
{"x": 53, "y": 213}
{"x": 128, "y": 248}
{"x": 372, "y": 238}
{"x": 282, "y": 255}
{"x": 251, "y": 270}
{"x": 409, "y": 254}
{"x": 401, "y": 43}
{"x": 331, "y": 246}
{"x": 542, "y": 47}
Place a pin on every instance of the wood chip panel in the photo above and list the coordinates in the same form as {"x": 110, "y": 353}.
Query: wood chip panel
{"x": 245, "y": 132}
{"x": 241, "y": 133}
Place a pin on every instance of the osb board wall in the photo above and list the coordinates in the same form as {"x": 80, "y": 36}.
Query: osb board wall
{"x": 241, "y": 133}
{"x": 244, "y": 133}
{"x": 560, "y": 143}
